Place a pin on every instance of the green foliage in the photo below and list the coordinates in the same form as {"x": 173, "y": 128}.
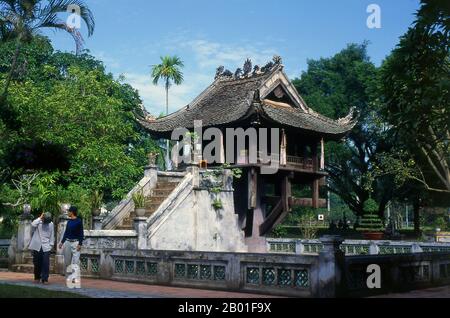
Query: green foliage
{"x": 308, "y": 225}
{"x": 74, "y": 125}
{"x": 236, "y": 172}
{"x": 279, "y": 232}
{"x": 441, "y": 223}
{"x": 217, "y": 204}
{"x": 370, "y": 223}
{"x": 415, "y": 80}
{"x": 96, "y": 200}
{"x": 370, "y": 207}
{"x": 331, "y": 86}
{"x": 169, "y": 70}
{"x": 139, "y": 199}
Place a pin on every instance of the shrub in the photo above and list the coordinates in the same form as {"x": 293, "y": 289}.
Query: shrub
{"x": 308, "y": 225}
{"x": 371, "y": 223}
{"x": 279, "y": 231}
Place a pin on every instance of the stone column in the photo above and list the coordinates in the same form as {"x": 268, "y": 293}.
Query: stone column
{"x": 140, "y": 226}
{"x": 151, "y": 171}
{"x": 23, "y": 238}
{"x": 97, "y": 223}
{"x": 59, "y": 257}
{"x": 331, "y": 268}
{"x": 194, "y": 170}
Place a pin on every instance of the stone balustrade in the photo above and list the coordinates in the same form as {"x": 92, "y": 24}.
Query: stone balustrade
{"x": 355, "y": 247}
{"x": 4, "y": 258}
{"x": 325, "y": 274}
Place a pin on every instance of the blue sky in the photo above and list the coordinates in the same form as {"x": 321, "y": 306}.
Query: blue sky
{"x": 131, "y": 35}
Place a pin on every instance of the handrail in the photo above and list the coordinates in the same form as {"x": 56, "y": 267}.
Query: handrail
{"x": 126, "y": 205}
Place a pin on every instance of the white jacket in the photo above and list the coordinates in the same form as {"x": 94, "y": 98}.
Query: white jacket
{"x": 43, "y": 236}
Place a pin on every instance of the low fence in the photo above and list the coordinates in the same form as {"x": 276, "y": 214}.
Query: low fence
{"x": 257, "y": 273}
{"x": 325, "y": 274}
{"x": 4, "y": 259}
{"x": 355, "y": 247}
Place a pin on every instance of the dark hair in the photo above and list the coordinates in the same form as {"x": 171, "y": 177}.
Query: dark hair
{"x": 47, "y": 218}
{"x": 74, "y": 210}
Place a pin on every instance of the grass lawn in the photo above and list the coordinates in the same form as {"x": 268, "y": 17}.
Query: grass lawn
{"x": 13, "y": 291}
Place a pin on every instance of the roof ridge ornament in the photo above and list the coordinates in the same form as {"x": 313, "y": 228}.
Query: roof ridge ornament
{"x": 277, "y": 60}
{"x": 246, "y": 70}
{"x": 219, "y": 72}
{"x": 352, "y": 117}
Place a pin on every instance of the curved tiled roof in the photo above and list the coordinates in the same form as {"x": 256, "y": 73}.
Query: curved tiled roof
{"x": 229, "y": 100}
{"x": 225, "y": 101}
{"x": 312, "y": 121}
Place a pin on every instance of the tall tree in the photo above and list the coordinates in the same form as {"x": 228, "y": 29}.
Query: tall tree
{"x": 416, "y": 85}
{"x": 20, "y": 20}
{"x": 331, "y": 86}
{"x": 169, "y": 70}
{"x": 77, "y": 124}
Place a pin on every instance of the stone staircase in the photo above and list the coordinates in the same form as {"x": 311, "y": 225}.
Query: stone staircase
{"x": 28, "y": 267}
{"x": 164, "y": 187}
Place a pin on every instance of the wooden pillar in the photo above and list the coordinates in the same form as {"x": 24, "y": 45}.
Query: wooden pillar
{"x": 283, "y": 148}
{"x": 286, "y": 192}
{"x": 315, "y": 193}
{"x": 222, "y": 149}
{"x": 315, "y": 156}
{"x": 252, "y": 188}
{"x": 322, "y": 154}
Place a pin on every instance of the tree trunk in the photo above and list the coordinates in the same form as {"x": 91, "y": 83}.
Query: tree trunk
{"x": 416, "y": 208}
{"x": 11, "y": 72}
{"x": 167, "y": 142}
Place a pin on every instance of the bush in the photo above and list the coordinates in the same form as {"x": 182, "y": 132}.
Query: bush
{"x": 441, "y": 223}
{"x": 308, "y": 225}
{"x": 280, "y": 232}
{"x": 371, "y": 223}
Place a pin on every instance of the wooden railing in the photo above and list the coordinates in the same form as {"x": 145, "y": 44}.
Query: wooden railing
{"x": 304, "y": 163}
{"x": 291, "y": 161}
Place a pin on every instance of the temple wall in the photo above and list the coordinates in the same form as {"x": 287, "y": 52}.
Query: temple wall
{"x": 194, "y": 225}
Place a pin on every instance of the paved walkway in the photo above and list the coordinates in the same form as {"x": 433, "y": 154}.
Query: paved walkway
{"x": 97, "y": 288}
{"x": 438, "y": 292}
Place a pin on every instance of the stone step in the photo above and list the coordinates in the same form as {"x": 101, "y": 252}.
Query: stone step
{"x": 166, "y": 185}
{"x": 156, "y": 199}
{"x": 162, "y": 192}
{"x": 124, "y": 228}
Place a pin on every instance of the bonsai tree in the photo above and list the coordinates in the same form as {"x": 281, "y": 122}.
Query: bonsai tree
{"x": 139, "y": 202}
{"x": 370, "y": 223}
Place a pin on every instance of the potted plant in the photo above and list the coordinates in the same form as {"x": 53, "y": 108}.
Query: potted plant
{"x": 96, "y": 202}
{"x": 139, "y": 203}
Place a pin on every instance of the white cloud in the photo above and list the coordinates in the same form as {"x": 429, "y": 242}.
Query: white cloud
{"x": 109, "y": 61}
{"x": 154, "y": 97}
{"x": 204, "y": 57}
{"x": 213, "y": 54}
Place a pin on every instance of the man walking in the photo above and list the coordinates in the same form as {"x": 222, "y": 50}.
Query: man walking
{"x": 72, "y": 239}
{"x": 41, "y": 244}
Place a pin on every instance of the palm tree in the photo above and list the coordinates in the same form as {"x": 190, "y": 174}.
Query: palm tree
{"x": 20, "y": 20}
{"x": 170, "y": 72}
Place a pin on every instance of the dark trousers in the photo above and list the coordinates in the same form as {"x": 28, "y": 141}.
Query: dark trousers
{"x": 41, "y": 261}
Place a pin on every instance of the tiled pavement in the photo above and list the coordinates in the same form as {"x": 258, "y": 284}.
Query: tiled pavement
{"x": 438, "y": 292}
{"x": 97, "y": 288}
